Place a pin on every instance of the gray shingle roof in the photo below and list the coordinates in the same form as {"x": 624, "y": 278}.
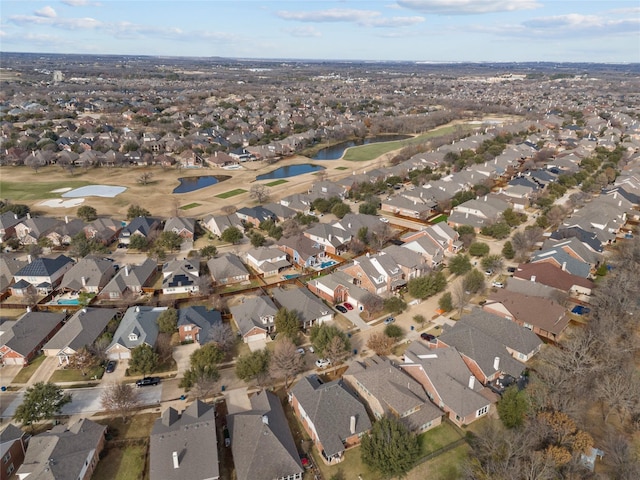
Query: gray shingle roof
{"x": 141, "y": 321}
{"x": 192, "y": 435}
{"x": 82, "y": 328}
{"x": 96, "y": 272}
{"x": 261, "y": 441}
{"x": 303, "y": 301}
{"x": 227, "y": 266}
{"x": 23, "y": 335}
{"x": 201, "y": 317}
{"x": 43, "y": 267}
{"x": 249, "y": 313}
{"x": 329, "y": 407}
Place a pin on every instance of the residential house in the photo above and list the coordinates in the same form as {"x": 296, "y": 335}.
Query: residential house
{"x": 142, "y": 226}
{"x": 103, "y": 230}
{"x": 478, "y": 213}
{"x": 183, "y": 226}
{"x": 326, "y": 189}
{"x": 13, "y": 446}
{"x": 9, "y": 265}
{"x": 255, "y": 215}
{"x": 196, "y": 323}
{"x": 412, "y": 264}
{"x": 217, "y": 224}
{"x": 387, "y": 390}
{"x": 408, "y": 206}
{"x": 81, "y": 330}
{"x": 302, "y": 251}
{"x": 138, "y": 326}
{"x": 548, "y": 275}
{"x": 30, "y": 230}
{"x": 64, "y": 232}
{"x": 281, "y": 212}
{"x": 41, "y": 275}
{"x": 180, "y": 276}
{"x": 560, "y": 258}
{"x": 440, "y": 234}
{"x": 576, "y": 249}
{"x": 91, "y": 274}
{"x": 311, "y": 310}
{"x": 227, "y": 269}
{"x": 130, "y": 280}
{"x": 332, "y": 239}
{"x": 8, "y": 222}
{"x": 379, "y": 274}
{"x": 254, "y": 317}
{"x": 22, "y": 339}
{"x": 491, "y": 346}
{"x": 448, "y": 382}
{"x": 262, "y": 440}
{"x": 544, "y": 316}
{"x": 268, "y": 261}
{"x": 330, "y": 414}
{"x": 66, "y": 452}
{"x": 338, "y": 287}
{"x": 184, "y": 446}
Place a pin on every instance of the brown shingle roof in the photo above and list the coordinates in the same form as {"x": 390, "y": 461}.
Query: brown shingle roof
{"x": 552, "y": 276}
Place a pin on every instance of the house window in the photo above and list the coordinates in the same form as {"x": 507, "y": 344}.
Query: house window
{"x": 10, "y": 469}
{"x": 528, "y": 326}
{"x": 187, "y": 328}
{"x": 482, "y": 411}
{"x": 188, "y": 338}
{"x": 7, "y": 457}
{"x": 133, "y": 337}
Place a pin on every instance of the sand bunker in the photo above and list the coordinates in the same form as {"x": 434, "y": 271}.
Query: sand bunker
{"x": 57, "y": 203}
{"x": 95, "y": 191}
{"x": 61, "y": 190}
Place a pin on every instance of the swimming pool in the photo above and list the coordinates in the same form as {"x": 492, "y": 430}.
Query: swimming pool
{"x": 328, "y": 263}
{"x": 68, "y": 301}
{"x": 290, "y": 276}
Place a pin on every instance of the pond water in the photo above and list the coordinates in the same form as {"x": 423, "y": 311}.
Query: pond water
{"x": 290, "y": 171}
{"x": 191, "y": 184}
{"x": 334, "y": 152}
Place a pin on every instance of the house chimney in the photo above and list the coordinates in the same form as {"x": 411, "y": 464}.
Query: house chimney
{"x": 472, "y": 382}
{"x": 15, "y": 215}
{"x": 533, "y": 278}
{"x": 564, "y": 266}
{"x": 66, "y": 219}
{"x": 28, "y": 309}
{"x": 265, "y": 419}
{"x": 176, "y": 461}
{"x": 485, "y": 198}
{"x": 352, "y": 424}
{"x": 496, "y": 363}
{"x": 29, "y": 258}
{"x": 126, "y": 270}
{"x": 29, "y": 216}
{"x": 84, "y": 281}
{"x": 137, "y": 309}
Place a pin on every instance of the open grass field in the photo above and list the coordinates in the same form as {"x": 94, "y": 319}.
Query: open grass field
{"x": 276, "y": 183}
{"x": 25, "y": 373}
{"x": 190, "y": 206}
{"x": 29, "y": 191}
{"x": 232, "y": 193}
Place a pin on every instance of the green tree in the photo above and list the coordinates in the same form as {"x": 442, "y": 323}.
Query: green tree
{"x": 42, "y": 401}
{"x": 168, "y": 321}
{"x": 208, "y": 251}
{"x": 257, "y": 240}
{"x": 445, "y": 302}
{"x": 427, "y": 285}
{"x": 395, "y": 304}
{"x": 287, "y": 323}
{"x": 460, "y": 264}
{"x": 492, "y": 262}
{"x": 419, "y": 319}
{"x": 340, "y": 210}
{"x": 203, "y": 371}
{"x": 87, "y": 213}
{"x": 512, "y": 218}
{"x": 137, "y": 211}
{"x": 473, "y": 281}
{"x": 321, "y": 336}
{"x": 513, "y": 407}
{"x": 232, "y": 235}
{"x": 138, "y": 242}
{"x": 143, "y": 360}
{"x": 254, "y": 365}
{"x": 508, "y": 251}
{"x": 393, "y": 331}
{"x": 390, "y": 448}
{"x": 478, "y": 249}
{"x": 368, "y": 209}
{"x": 169, "y": 240}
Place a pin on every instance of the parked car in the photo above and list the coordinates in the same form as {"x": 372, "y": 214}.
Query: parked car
{"x": 348, "y": 306}
{"x": 427, "y": 336}
{"x": 323, "y": 362}
{"x": 498, "y": 284}
{"x": 311, "y": 349}
{"x": 300, "y": 350}
{"x": 341, "y": 309}
{"x": 488, "y": 273}
{"x": 511, "y": 269}
{"x": 389, "y": 320}
{"x": 148, "y": 381}
{"x": 384, "y": 220}
{"x": 111, "y": 366}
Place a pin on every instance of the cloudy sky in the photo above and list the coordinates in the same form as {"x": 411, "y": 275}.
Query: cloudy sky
{"x": 419, "y": 30}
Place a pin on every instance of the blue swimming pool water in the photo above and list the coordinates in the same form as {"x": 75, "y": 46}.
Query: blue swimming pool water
{"x": 290, "y": 276}
{"x": 69, "y": 301}
{"x": 328, "y": 263}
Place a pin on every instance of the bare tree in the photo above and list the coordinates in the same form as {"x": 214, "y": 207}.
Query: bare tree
{"x": 229, "y": 209}
{"x": 380, "y": 343}
{"x": 145, "y": 178}
{"x": 83, "y": 360}
{"x": 120, "y": 399}
{"x": 286, "y": 362}
{"x": 460, "y": 296}
{"x": 372, "y": 304}
{"x": 222, "y": 335}
{"x": 163, "y": 347}
{"x": 260, "y": 193}
{"x": 336, "y": 350}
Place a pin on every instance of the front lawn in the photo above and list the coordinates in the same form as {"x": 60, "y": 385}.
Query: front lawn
{"x": 126, "y": 463}
{"x": 74, "y": 375}
{"x": 25, "y": 373}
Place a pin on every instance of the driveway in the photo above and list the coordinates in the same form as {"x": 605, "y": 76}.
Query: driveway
{"x": 44, "y": 371}
{"x": 354, "y": 317}
{"x": 237, "y": 400}
{"x": 7, "y": 374}
{"x": 117, "y": 376}
{"x": 181, "y": 354}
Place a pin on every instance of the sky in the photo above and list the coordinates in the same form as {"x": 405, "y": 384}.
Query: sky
{"x": 392, "y": 30}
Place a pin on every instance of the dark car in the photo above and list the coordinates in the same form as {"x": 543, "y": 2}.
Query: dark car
{"x": 148, "y": 381}
{"x": 341, "y": 309}
{"x": 111, "y": 366}
{"x": 511, "y": 269}
{"x": 427, "y": 336}
{"x": 348, "y": 306}
{"x": 389, "y": 320}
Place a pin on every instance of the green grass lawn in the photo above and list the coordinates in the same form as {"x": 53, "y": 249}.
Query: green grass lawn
{"x": 349, "y": 468}
{"x": 437, "y": 438}
{"x": 342, "y": 168}
{"x": 73, "y": 375}
{"x": 374, "y": 150}
{"x": 189, "y": 206}
{"x": 276, "y": 183}
{"x": 37, "y": 190}
{"x": 447, "y": 466}
{"x": 439, "y": 218}
{"x": 232, "y": 193}
{"x": 25, "y": 374}
{"x": 121, "y": 463}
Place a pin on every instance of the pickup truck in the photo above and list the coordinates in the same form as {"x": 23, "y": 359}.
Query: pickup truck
{"x": 147, "y": 381}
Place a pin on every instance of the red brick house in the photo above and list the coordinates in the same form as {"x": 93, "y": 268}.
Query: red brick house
{"x": 13, "y": 445}
{"x": 23, "y": 339}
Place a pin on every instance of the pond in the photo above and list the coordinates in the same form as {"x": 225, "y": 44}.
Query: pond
{"x": 191, "y": 184}
{"x": 334, "y": 152}
{"x": 290, "y": 171}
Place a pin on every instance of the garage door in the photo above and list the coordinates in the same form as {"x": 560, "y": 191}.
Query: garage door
{"x": 120, "y": 356}
{"x": 12, "y": 361}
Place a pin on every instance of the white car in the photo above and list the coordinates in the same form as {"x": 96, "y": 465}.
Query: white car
{"x": 300, "y": 350}
{"x": 311, "y": 349}
{"x": 323, "y": 362}
{"x": 498, "y": 284}
{"x": 384, "y": 219}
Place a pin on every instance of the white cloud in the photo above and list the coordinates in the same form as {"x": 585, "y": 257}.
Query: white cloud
{"x": 465, "y": 7}
{"x": 364, "y": 18}
{"x": 576, "y": 23}
{"x": 47, "y": 12}
{"x": 303, "y": 32}
{"x": 81, "y": 3}
{"x": 63, "y": 23}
